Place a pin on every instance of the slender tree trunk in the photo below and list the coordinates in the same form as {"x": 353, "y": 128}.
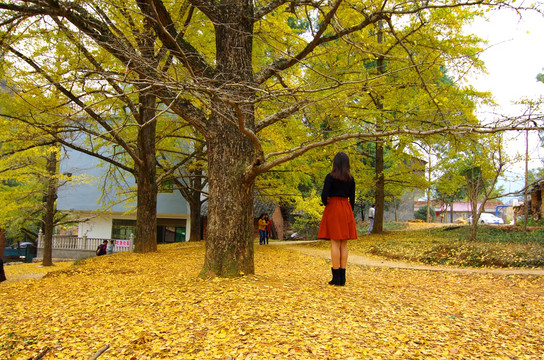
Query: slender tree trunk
{"x": 2, "y": 241}
{"x": 377, "y": 228}
{"x": 195, "y": 204}
{"x": 2, "y": 246}
{"x": 49, "y": 217}
{"x": 229, "y": 241}
{"x": 145, "y": 175}
{"x": 429, "y": 218}
{"x": 191, "y": 192}
{"x": 473, "y": 191}
{"x": 194, "y": 235}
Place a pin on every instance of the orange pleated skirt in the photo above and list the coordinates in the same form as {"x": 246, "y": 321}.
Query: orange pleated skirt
{"x": 338, "y": 222}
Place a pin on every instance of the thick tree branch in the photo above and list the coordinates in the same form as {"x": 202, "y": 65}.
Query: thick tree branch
{"x": 184, "y": 108}
{"x": 293, "y": 153}
{"x": 270, "y": 6}
{"x": 166, "y": 30}
{"x": 285, "y": 63}
{"x": 282, "y": 114}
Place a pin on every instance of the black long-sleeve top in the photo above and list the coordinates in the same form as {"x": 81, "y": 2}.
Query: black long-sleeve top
{"x": 335, "y": 187}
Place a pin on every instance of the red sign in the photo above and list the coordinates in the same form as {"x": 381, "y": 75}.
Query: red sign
{"x": 122, "y": 243}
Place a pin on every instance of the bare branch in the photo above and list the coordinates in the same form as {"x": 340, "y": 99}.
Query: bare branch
{"x": 76, "y": 100}
{"x": 282, "y": 114}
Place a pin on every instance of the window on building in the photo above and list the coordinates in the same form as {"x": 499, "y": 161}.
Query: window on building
{"x": 122, "y": 229}
{"x": 170, "y": 234}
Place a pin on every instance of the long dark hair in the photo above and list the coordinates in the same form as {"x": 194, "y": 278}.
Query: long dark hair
{"x": 340, "y": 167}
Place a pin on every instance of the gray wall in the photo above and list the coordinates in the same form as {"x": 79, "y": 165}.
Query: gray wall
{"x": 81, "y": 195}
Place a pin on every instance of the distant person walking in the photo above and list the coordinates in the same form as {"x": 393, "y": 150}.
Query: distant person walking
{"x": 371, "y": 214}
{"x": 268, "y": 228}
{"x": 338, "y": 222}
{"x": 262, "y": 229}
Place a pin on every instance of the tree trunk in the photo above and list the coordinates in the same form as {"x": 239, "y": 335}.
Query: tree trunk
{"x": 145, "y": 175}
{"x": 49, "y": 217}
{"x": 191, "y": 192}
{"x": 2, "y": 246}
{"x": 194, "y": 235}
{"x": 377, "y": 228}
{"x": 2, "y": 241}
{"x": 229, "y": 241}
{"x": 195, "y": 205}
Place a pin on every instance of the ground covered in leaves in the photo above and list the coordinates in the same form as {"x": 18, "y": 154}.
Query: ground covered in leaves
{"x": 495, "y": 246}
{"x": 154, "y": 307}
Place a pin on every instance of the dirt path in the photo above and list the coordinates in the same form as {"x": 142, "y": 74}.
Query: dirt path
{"x": 368, "y": 261}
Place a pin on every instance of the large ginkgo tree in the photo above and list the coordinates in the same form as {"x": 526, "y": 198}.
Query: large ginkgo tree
{"x": 237, "y": 70}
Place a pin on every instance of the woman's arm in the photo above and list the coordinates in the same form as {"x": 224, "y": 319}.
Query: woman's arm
{"x": 326, "y": 189}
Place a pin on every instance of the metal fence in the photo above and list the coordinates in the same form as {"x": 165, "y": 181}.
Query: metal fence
{"x": 66, "y": 242}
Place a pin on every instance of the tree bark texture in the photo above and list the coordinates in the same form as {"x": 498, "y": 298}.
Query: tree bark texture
{"x": 231, "y": 153}
{"x": 145, "y": 175}
{"x": 229, "y": 241}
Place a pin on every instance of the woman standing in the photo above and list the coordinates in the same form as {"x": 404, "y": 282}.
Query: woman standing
{"x": 338, "y": 222}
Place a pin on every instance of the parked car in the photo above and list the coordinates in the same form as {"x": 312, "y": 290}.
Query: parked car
{"x": 22, "y": 245}
{"x": 487, "y": 218}
{"x": 25, "y": 251}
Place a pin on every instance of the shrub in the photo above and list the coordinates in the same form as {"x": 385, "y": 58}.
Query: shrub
{"x": 421, "y": 213}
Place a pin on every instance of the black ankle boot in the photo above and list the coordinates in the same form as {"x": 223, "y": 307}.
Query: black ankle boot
{"x": 335, "y": 274}
{"x": 341, "y": 277}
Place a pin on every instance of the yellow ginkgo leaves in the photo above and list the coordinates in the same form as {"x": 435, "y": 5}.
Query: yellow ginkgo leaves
{"x": 160, "y": 309}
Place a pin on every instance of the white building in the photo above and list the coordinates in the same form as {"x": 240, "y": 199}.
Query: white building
{"x": 103, "y": 214}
